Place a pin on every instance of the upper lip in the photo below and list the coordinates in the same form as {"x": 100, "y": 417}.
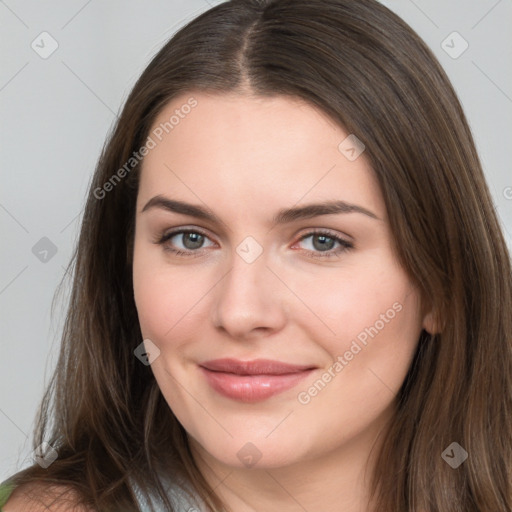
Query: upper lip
{"x": 254, "y": 367}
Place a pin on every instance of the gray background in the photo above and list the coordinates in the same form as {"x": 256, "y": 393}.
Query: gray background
{"x": 56, "y": 113}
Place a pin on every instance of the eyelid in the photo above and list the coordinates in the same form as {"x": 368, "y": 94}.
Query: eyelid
{"x": 325, "y": 231}
{"x": 186, "y": 229}
{"x": 342, "y": 238}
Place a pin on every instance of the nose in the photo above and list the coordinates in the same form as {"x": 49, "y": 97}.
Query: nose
{"x": 249, "y": 300}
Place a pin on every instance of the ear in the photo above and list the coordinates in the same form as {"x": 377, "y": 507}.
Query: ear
{"x": 431, "y": 323}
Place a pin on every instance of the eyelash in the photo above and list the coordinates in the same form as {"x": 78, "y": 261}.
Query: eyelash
{"x": 344, "y": 244}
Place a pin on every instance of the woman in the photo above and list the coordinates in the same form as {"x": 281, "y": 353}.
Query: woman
{"x": 290, "y": 290}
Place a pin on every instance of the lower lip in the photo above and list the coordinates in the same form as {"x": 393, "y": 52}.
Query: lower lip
{"x": 252, "y": 388}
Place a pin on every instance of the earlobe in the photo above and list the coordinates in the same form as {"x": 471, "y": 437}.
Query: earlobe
{"x": 431, "y": 323}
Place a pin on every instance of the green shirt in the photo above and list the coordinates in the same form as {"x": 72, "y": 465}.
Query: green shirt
{"x": 6, "y": 489}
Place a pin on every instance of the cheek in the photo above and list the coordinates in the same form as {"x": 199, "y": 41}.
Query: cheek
{"x": 359, "y": 302}
{"x": 368, "y": 322}
{"x": 169, "y": 299}
{"x": 153, "y": 293}
{"x": 377, "y": 321}
{"x": 379, "y": 332}
{"x": 162, "y": 302}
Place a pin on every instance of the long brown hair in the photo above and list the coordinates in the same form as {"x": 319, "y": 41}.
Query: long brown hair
{"x": 364, "y": 67}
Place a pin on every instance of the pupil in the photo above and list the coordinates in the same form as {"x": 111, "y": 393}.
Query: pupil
{"x": 193, "y": 240}
{"x": 322, "y": 242}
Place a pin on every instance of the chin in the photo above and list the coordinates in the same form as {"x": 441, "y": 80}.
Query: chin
{"x": 252, "y": 452}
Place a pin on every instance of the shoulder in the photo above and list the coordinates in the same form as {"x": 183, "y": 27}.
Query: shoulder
{"x": 44, "y": 498}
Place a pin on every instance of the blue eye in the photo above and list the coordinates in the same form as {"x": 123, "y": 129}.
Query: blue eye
{"x": 190, "y": 241}
{"x": 323, "y": 244}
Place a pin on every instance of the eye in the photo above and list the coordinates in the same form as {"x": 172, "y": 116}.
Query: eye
{"x": 184, "y": 242}
{"x": 324, "y": 244}
{"x": 189, "y": 242}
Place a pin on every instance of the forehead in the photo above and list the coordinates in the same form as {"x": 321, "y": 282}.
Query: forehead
{"x": 277, "y": 147}
{"x": 228, "y": 122}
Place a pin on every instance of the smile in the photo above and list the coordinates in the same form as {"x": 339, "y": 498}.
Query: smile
{"x": 252, "y": 381}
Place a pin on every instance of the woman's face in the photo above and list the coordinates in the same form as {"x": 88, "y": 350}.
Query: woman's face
{"x": 284, "y": 321}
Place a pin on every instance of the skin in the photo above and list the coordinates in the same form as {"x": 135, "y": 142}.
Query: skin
{"x": 244, "y": 158}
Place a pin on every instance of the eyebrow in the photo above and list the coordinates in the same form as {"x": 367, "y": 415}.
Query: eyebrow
{"x": 283, "y": 216}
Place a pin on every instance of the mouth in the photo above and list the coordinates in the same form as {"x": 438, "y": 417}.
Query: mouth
{"x": 252, "y": 381}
